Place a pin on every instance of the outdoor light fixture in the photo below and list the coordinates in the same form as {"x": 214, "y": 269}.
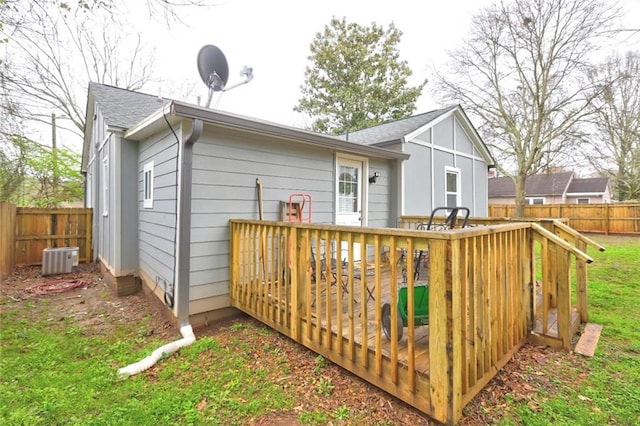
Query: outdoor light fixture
{"x": 374, "y": 177}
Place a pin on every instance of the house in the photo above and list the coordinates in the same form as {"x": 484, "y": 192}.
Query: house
{"x": 164, "y": 178}
{"x": 589, "y": 191}
{"x": 449, "y": 162}
{"x": 552, "y": 188}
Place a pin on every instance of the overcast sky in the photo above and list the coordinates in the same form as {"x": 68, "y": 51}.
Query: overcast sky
{"x": 273, "y": 36}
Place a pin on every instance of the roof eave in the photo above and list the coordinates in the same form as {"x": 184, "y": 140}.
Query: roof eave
{"x": 88, "y": 130}
{"x": 176, "y": 110}
{"x": 442, "y": 116}
{"x": 471, "y": 130}
{"x": 590, "y": 194}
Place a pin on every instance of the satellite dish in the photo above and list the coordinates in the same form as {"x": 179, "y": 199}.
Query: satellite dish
{"x": 213, "y": 69}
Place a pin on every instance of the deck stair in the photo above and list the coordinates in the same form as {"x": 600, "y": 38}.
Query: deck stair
{"x": 589, "y": 340}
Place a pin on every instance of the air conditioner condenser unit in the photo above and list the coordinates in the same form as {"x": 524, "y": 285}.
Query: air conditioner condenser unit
{"x": 59, "y": 260}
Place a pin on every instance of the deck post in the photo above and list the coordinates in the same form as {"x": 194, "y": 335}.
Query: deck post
{"x": 233, "y": 264}
{"x": 581, "y": 282}
{"x": 293, "y": 262}
{"x": 445, "y": 350}
{"x": 529, "y": 275}
{"x": 563, "y": 286}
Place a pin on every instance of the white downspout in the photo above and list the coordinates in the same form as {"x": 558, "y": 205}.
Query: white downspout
{"x": 184, "y": 237}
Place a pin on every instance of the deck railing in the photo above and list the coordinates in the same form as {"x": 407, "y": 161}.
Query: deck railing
{"x": 324, "y": 286}
{"x": 547, "y": 275}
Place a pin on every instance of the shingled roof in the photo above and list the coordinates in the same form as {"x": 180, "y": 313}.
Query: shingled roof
{"x": 394, "y": 130}
{"x": 596, "y": 185}
{"x": 124, "y": 108}
{"x": 536, "y": 185}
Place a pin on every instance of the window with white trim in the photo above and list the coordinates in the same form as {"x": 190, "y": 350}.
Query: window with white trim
{"x": 534, "y": 200}
{"x": 452, "y": 186}
{"x": 583, "y": 201}
{"x": 147, "y": 186}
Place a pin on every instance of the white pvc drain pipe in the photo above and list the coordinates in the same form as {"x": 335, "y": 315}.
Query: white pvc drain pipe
{"x": 187, "y": 339}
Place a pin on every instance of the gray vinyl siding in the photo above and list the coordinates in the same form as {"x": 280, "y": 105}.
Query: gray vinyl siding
{"x": 105, "y": 212}
{"x": 225, "y": 168}
{"x": 97, "y": 136}
{"x": 443, "y": 133}
{"x": 156, "y": 226}
{"x": 424, "y": 136}
{"x": 424, "y": 176}
{"x": 128, "y": 207}
{"x": 379, "y": 201}
{"x": 441, "y": 160}
{"x": 417, "y": 180}
{"x": 481, "y": 188}
{"x": 463, "y": 143}
{"x": 467, "y": 182}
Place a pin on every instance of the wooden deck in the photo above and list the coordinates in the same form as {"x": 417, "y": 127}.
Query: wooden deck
{"x": 364, "y": 306}
{"x": 481, "y": 306}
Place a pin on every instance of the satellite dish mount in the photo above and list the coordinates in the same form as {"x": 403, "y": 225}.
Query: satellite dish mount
{"x": 214, "y": 71}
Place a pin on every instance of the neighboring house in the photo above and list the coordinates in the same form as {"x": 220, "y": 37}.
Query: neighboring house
{"x": 552, "y": 188}
{"x": 449, "y": 162}
{"x": 165, "y": 177}
{"x": 589, "y": 191}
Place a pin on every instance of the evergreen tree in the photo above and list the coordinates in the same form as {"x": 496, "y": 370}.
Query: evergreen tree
{"x": 356, "y": 78}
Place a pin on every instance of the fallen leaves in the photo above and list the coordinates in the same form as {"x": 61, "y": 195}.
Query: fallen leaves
{"x": 201, "y": 405}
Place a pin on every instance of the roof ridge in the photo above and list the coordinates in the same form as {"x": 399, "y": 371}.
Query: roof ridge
{"x": 391, "y": 121}
{"x": 110, "y": 86}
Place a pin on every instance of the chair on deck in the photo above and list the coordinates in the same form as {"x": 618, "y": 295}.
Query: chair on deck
{"x": 333, "y": 270}
{"x": 358, "y": 273}
{"x": 451, "y": 221}
{"x": 421, "y": 290}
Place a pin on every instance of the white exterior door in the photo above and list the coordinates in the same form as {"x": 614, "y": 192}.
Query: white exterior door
{"x": 350, "y": 186}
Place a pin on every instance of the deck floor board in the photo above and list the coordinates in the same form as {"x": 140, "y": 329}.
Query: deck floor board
{"x": 421, "y": 333}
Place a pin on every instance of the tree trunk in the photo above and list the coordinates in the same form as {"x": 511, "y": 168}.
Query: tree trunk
{"x": 519, "y": 184}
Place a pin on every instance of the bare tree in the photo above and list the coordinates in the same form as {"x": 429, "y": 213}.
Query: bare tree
{"x": 615, "y": 140}
{"x": 13, "y": 152}
{"x": 55, "y": 53}
{"x": 521, "y": 74}
{"x": 169, "y": 9}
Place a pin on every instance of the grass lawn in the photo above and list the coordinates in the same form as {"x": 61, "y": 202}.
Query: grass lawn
{"x": 60, "y": 354}
{"x": 604, "y": 389}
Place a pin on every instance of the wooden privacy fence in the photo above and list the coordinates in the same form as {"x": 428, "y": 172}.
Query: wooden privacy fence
{"x": 26, "y": 232}
{"x": 325, "y": 287}
{"x": 600, "y": 218}
{"x": 7, "y": 240}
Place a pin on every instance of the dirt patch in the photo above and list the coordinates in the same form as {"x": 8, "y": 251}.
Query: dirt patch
{"x": 93, "y": 305}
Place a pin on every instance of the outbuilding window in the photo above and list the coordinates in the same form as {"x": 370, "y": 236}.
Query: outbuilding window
{"x": 583, "y": 201}
{"x": 452, "y": 186}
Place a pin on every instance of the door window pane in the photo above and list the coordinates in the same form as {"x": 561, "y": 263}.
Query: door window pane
{"x": 348, "y": 189}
